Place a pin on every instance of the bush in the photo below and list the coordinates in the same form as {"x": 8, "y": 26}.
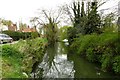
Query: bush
{"x": 24, "y": 53}
{"x": 63, "y": 32}
{"x": 106, "y": 62}
{"x": 21, "y": 35}
{"x": 71, "y": 34}
{"x": 99, "y": 48}
{"x": 33, "y": 51}
{"x": 116, "y": 64}
{"x": 7, "y": 50}
{"x": 34, "y": 35}
{"x": 90, "y": 55}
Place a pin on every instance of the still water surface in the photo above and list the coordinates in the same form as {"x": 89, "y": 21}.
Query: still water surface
{"x": 59, "y": 62}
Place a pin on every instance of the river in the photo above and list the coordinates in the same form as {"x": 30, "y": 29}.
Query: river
{"x": 59, "y": 62}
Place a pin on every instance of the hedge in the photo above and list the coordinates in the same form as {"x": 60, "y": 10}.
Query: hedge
{"x": 21, "y": 35}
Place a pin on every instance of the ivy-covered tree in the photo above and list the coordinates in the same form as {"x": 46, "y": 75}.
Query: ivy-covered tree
{"x": 94, "y": 21}
{"x": 76, "y": 11}
{"x": 83, "y": 19}
{"x": 71, "y": 34}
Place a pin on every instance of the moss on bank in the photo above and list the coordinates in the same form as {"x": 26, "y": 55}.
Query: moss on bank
{"x": 19, "y": 58}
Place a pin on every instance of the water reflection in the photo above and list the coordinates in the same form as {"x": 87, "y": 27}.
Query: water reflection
{"x": 55, "y": 64}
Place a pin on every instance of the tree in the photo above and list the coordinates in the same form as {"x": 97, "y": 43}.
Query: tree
{"x": 118, "y": 23}
{"x": 76, "y": 11}
{"x": 49, "y": 23}
{"x": 22, "y": 26}
{"x": 108, "y": 20}
{"x": 71, "y": 34}
{"x": 83, "y": 19}
{"x": 7, "y": 22}
{"x": 94, "y": 21}
{"x": 108, "y": 23}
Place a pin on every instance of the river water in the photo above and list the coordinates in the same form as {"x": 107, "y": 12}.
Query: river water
{"x": 59, "y": 62}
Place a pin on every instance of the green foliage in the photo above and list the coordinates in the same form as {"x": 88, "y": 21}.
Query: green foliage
{"x": 7, "y": 22}
{"x": 84, "y": 42}
{"x": 50, "y": 28}
{"x": 51, "y": 32}
{"x": 90, "y": 54}
{"x": 11, "y": 67}
{"x": 99, "y": 48}
{"x": 94, "y": 21}
{"x": 107, "y": 23}
{"x": 106, "y": 61}
{"x": 108, "y": 20}
{"x": 71, "y": 33}
{"x": 34, "y": 35}
{"x": 26, "y": 53}
{"x": 33, "y": 52}
{"x": 76, "y": 11}
{"x": 11, "y": 62}
{"x": 7, "y": 50}
{"x": 22, "y": 26}
{"x": 118, "y": 24}
{"x": 63, "y": 32}
{"x": 21, "y": 35}
{"x": 86, "y": 22}
{"x": 116, "y": 64}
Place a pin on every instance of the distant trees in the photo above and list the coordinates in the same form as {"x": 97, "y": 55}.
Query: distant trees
{"x": 108, "y": 23}
{"x": 6, "y": 22}
{"x": 63, "y": 32}
{"x": 22, "y": 25}
{"x": 108, "y": 20}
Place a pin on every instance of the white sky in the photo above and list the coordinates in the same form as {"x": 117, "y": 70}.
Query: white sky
{"x": 16, "y": 10}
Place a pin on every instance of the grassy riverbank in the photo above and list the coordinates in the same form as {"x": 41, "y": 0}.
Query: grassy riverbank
{"x": 19, "y": 58}
{"x": 100, "y": 48}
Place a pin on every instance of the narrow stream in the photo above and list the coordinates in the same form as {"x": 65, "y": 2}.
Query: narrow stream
{"x": 58, "y": 62}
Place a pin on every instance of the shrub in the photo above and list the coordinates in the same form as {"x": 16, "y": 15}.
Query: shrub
{"x": 63, "y": 32}
{"x": 116, "y": 64}
{"x": 25, "y": 53}
{"x": 7, "y": 50}
{"x": 21, "y": 35}
{"x": 106, "y": 62}
{"x": 90, "y": 55}
{"x": 34, "y": 35}
{"x": 71, "y": 34}
{"x": 33, "y": 51}
{"x": 84, "y": 42}
{"x": 99, "y": 48}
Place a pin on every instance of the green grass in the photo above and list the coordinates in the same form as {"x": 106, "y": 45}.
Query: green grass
{"x": 18, "y": 58}
{"x": 11, "y": 67}
{"x": 0, "y": 66}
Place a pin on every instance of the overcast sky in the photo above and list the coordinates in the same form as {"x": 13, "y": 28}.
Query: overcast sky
{"x": 16, "y": 10}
